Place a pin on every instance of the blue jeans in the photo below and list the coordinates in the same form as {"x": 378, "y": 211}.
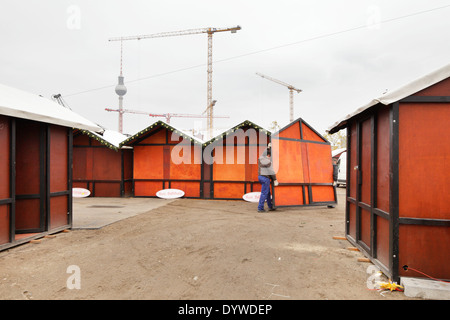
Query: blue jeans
{"x": 265, "y": 193}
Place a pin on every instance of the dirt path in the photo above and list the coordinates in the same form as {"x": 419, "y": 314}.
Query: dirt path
{"x": 196, "y": 249}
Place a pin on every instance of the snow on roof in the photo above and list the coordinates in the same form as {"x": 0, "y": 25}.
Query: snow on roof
{"x": 398, "y": 94}
{"x": 25, "y": 105}
{"x": 110, "y": 138}
{"x": 185, "y": 134}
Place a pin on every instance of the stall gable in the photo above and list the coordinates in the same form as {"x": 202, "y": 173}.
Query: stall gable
{"x": 303, "y": 159}
{"x": 230, "y": 161}
{"x": 165, "y": 157}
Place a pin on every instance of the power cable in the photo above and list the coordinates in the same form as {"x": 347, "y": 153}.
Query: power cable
{"x": 265, "y": 50}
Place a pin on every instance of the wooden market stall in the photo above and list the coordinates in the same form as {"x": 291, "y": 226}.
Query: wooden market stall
{"x": 35, "y": 165}
{"x": 230, "y": 161}
{"x": 101, "y": 165}
{"x": 165, "y": 157}
{"x": 302, "y": 159}
{"x": 398, "y": 178}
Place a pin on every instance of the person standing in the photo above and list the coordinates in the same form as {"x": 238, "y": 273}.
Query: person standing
{"x": 266, "y": 174}
{"x": 335, "y": 176}
{"x": 335, "y": 171}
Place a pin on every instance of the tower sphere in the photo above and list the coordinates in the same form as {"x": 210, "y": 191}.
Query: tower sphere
{"x": 121, "y": 90}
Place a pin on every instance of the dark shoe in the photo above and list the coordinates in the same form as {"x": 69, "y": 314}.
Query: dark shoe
{"x": 261, "y": 210}
{"x": 272, "y": 209}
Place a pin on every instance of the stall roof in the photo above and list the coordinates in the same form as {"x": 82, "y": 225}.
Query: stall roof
{"x": 129, "y": 141}
{"x": 25, "y": 105}
{"x": 236, "y": 127}
{"x": 337, "y": 152}
{"x": 300, "y": 121}
{"x": 396, "y": 95}
{"x": 109, "y": 138}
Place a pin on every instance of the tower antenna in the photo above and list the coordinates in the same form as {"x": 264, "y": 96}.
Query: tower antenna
{"x": 121, "y": 90}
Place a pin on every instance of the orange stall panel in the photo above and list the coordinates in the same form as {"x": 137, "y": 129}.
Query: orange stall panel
{"x": 303, "y": 160}
{"x": 30, "y": 178}
{"x": 233, "y": 156}
{"x": 424, "y": 248}
{"x": 165, "y": 157}
{"x": 59, "y": 176}
{"x": 424, "y": 153}
{"x": 100, "y": 165}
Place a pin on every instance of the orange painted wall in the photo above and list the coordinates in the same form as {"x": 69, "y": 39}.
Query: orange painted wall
{"x": 424, "y": 248}
{"x": 99, "y": 168}
{"x": 424, "y": 153}
{"x": 235, "y": 167}
{"x": 424, "y": 175}
{"x": 28, "y": 173}
{"x": 59, "y": 148}
{"x": 303, "y": 161}
{"x": 161, "y": 162}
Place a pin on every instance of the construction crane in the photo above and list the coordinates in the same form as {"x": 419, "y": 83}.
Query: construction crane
{"x": 168, "y": 116}
{"x": 291, "y": 94}
{"x": 210, "y": 32}
{"x": 210, "y": 115}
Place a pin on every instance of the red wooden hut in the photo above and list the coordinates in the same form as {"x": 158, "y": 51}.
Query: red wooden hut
{"x": 35, "y": 165}
{"x": 398, "y": 178}
{"x": 165, "y": 157}
{"x": 230, "y": 161}
{"x": 101, "y": 165}
{"x": 305, "y": 171}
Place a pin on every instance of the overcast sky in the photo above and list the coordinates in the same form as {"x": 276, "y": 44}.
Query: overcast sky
{"x": 340, "y": 53}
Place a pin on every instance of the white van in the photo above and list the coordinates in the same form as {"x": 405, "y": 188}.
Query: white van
{"x": 342, "y": 172}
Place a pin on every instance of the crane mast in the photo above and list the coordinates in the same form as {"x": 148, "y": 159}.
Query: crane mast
{"x": 291, "y": 93}
{"x": 210, "y": 31}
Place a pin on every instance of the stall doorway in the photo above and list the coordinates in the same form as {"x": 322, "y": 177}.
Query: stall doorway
{"x": 30, "y": 175}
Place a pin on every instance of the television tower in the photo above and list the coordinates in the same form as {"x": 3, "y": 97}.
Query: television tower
{"x": 121, "y": 90}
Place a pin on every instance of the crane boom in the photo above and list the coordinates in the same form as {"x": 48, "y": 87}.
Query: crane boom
{"x": 210, "y": 32}
{"x": 162, "y": 115}
{"x": 291, "y": 93}
{"x": 175, "y": 33}
{"x": 291, "y": 87}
